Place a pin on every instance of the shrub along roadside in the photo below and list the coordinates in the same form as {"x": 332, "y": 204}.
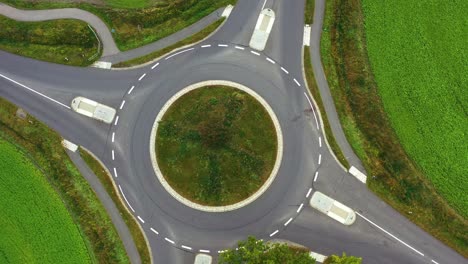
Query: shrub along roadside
{"x": 43, "y": 146}
{"x": 189, "y": 40}
{"x": 105, "y": 179}
{"x": 132, "y": 27}
{"x": 312, "y": 85}
{"x": 396, "y": 178}
{"x": 64, "y": 41}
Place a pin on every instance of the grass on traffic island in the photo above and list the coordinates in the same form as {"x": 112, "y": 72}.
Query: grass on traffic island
{"x": 187, "y": 41}
{"x": 42, "y": 146}
{"x": 216, "y": 145}
{"x": 130, "y": 221}
{"x": 64, "y": 41}
{"x": 396, "y": 178}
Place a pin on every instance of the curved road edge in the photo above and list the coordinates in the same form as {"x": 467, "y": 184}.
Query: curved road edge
{"x": 108, "y": 43}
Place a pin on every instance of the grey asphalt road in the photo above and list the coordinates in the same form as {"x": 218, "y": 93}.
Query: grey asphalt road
{"x": 175, "y": 232}
{"x": 108, "y": 44}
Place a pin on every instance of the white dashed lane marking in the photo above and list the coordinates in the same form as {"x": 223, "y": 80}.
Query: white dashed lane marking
{"x": 285, "y": 71}
{"x": 289, "y": 221}
{"x": 115, "y": 172}
{"x": 186, "y": 247}
{"x": 131, "y": 89}
{"x": 320, "y": 159}
{"x": 308, "y": 193}
{"x": 154, "y": 231}
{"x": 116, "y": 121}
{"x": 298, "y": 84}
{"x": 204, "y": 251}
{"x": 320, "y": 141}
{"x": 316, "y": 176}
{"x": 154, "y": 66}
{"x": 170, "y": 241}
{"x": 113, "y": 137}
{"x": 113, "y": 155}
{"x": 270, "y": 60}
{"x": 141, "y": 219}
{"x": 223, "y": 45}
{"x": 122, "y": 104}
{"x": 254, "y": 52}
{"x": 142, "y": 76}
{"x": 206, "y": 46}
{"x": 435, "y": 262}
{"x": 300, "y": 208}
{"x": 274, "y": 233}
{"x": 239, "y": 48}
{"x": 180, "y": 52}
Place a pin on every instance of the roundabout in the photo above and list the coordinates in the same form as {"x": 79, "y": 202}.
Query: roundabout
{"x": 224, "y": 153}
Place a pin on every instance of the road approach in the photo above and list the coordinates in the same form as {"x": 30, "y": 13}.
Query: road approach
{"x": 175, "y": 232}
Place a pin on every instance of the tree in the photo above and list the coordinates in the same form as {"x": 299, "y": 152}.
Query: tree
{"x": 255, "y": 251}
{"x": 334, "y": 259}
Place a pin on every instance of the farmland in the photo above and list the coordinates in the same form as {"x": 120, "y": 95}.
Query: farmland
{"x": 35, "y": 224}
{"x": 418, "y": 54}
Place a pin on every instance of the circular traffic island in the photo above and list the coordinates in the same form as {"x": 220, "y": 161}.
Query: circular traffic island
{"x": 216, "y": 146}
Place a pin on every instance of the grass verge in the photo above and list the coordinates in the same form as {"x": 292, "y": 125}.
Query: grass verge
{"x": 64, "y": 41}
{"x": 190, "y": 40}
{"x": 106, "y": 181}
{"x": 309, "y": 11}
{"x": 216, "y": 145}
{"x": 312, "y": 85}
{"x": 44, "y": 148}
{"x": 34, "y": 232}
{"x": 395, "y": 177}
{"x": 135, "y": 27}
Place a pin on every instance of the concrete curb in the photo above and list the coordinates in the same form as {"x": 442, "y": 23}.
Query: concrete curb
{"x": 226, "y": 208}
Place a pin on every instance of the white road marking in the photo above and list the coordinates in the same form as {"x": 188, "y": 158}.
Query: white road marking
{"x": 313, "y": 110}
{"x": 388, "y": 233}
{"x": 131, "y": 89}
{"x": 113, "y": 137}
{"x": 180, "y": 52}
{"x": 283, "y": 69}
{"x": 122, "y": 104}
{"x": 300, "y": 208}
{"x": 204, "y": 251}
{"x": 320, "y": 141}
{"x": 222, "y": 45}
{"x": 298, "y": 84}
{"x": 189, "y": 248}
{"x": 206, "y": 46}
{"x": 154, "y": 66}
{"x": 264, "y": 3}
{"x": 154, "y": 231}
{"x": 254, "y": 52}
{"x": 239, "y": 48}
{"x": 34, "y": 91}
{"x": 115, "y": 173}
{"x": 316, "y": 176}
{"x": 308, "y": 193}
{"x": 142, "y": 76}
{"x": 435, "y": 262}
{"x": 141, "y": 219}
{"x": 274, "y": 233}
{"x": 113, "y": 155}
{"x": 270, "y": 60}
{"x": 116, "y": 121}
{"x": 125, "y": 198}
{"x": 168, "y": 240}
{"x": 320, "y": 159}
{"x": 289, "y": 221}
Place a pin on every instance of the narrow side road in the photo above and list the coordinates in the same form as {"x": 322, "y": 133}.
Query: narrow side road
{"x": 108, "y": 44}
{"x": 107, "y": 202}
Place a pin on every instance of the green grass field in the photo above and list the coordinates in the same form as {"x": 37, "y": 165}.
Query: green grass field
{"x": 35, "y": 224}
{"x": 62, "y": 41}
{"x": 216, "y": 145}
{"x": 418, "y": 53}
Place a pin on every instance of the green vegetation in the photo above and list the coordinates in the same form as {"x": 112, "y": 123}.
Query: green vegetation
{"x": 396, "y": 178}
{"x": 334, "y": 259}
{"x": 36, "y": 226}
{"x": 63, "y": 41}
{"x": 190, "y": 40}
{"x": 216, "y": 145}
{"x": 312, "y": 84}
{"x": 421, "y": 73}
{"x": 44, "y": 149}
{"x": 255, "y": 251}
{"x": 133, "y": 226}
{"x": 309, "y": 11}
{"x": 136, "y": 27}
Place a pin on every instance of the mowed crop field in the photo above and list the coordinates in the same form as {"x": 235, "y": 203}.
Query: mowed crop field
{"x": 35, "y": 226}
{"x": 419, "y": 55}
